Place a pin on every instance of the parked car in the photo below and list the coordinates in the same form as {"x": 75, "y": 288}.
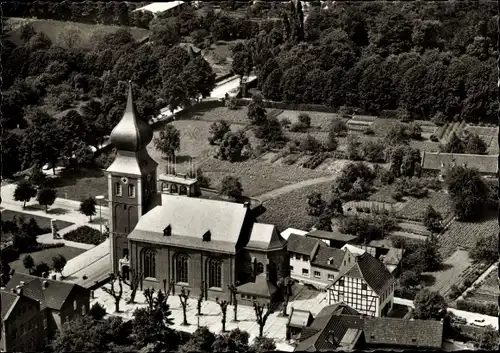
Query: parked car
{"x": 479, "y": 322}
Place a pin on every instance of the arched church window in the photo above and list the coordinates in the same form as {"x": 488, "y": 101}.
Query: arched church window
{"x": 182, "y": 268}
{"x": 131, "y": 190}
{"x": 149, "y": 258}
{"x": 118, "y": 189}
{"x": 183, "y": 190}
{"x": 215, "y": 274}
{"x": 260, "y": 268}
{"x": 174, "y": 189}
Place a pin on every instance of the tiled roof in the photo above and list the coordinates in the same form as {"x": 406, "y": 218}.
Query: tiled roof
{"x": 301, "y": 244}
{"x": 261, "y": 287}
{"x": 325, "y": 254}
{"x": 190, "y": 218}
{"x": 354, "y": 249}
{"x": 483, "y": 163}
{"x": 321, "y": 234}
{"x": 266, "y": 237}
{"x": 411, "y": 333}
{"x": 393, "y": 257}
{"x": 371, "y": 270}
{"x": 286, "y": 233}
{"x": 299, "y": 318}
{"x": 9, "y": 299}
{"x": 52, "y": 297}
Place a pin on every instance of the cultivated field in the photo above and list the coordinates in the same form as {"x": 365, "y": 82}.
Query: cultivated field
{"x": 465, "y": 234}
{"x": 56, "y": 31}
{"x": 46, "y": 256}
{"x": 318, "y": 119}
{"x": 414, "y": 208}
{"x": 488, "y": 291}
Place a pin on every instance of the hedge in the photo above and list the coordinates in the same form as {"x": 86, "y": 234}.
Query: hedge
{"x": 290, "y": 106}
{"x": 86, "y": 235}
{"x": 490, "y": 309}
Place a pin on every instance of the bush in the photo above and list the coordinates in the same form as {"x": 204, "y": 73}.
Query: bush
{"x": 434, "y": 138}
{"x": 314, "y": 161}
{"x": 86, "y": 235}
{"x": 290, "y": 159}
{"x": 368, "y": 131}
{"x": 411, "y": 187}
{"x": 97, "y": 311}
{"x": 231, "y": 103}
{"x": 490, "y": 309}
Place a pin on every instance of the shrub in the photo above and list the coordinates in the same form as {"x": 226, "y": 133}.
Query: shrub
{"x": 368, "y": 131}
{"x": 490, "y": 309}
{"x": 97, "y": 311}
{"x": 285, "y": 123}
{"x": 315, "y": 160}
{"x": 411, "y": 187}
{"x": 231, "y": 103}
{"x": 434, "y": 138}
{"x": 86, "y": 235}
{"x": 290, "y": 159}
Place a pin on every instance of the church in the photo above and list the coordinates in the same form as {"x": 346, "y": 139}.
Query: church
{"x": 173, "y": 236}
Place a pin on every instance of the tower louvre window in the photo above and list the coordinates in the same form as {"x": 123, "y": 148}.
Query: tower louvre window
{"x": 131, "y": 190}
{"x": 207, "y": 236}
{"x": 118, "y": 189}
{"x": 167, "y": 231}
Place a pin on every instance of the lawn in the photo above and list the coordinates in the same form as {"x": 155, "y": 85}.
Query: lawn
{"x": 290, "y": 210}
{"x": 453, "y": 267}
{"x": 55, "y": 30}
{"x": 465, "y": 234}
{"x": 43, "y": 222}
{"x": 318, "y": 119}
{"x": 80, "y": 184}
{"x": 46, "y": 256}
{"x": 488, "y": 291}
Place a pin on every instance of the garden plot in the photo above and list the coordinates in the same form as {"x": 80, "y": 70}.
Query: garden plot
{"x": 318, "y": 119}
{"x": 465, "y": 234}
{"x": 488, "y": 290}
{"x": 414, "y": 209}
{"x": 453, "y": 268}
{"x": 482, "y": 130}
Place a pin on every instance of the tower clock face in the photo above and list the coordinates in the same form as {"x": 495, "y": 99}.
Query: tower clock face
{"x": 124, "y": 180}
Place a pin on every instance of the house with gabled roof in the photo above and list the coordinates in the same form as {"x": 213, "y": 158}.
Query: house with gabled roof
{"x": 439, "y": 163}
{"x": 59, "y": 301}
{"x": 339, "y": 327}
{"x": 365, "y": 284}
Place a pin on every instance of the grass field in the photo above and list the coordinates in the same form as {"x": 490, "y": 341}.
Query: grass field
{"x": 289, "y": 210}
{"x": 414, "y": 208}
{"x": 488, "y": 291}
{"x": 56, "y": 30}
{"x": 78, "y": 185}
{"x": 238, "y": 116}
{"x": 46, "y": 256}
{"x": 43, "y": 222}
{"x": 453, "y": 267}
{"x": 465, "y": 234}
{"x": 318, "y": 120}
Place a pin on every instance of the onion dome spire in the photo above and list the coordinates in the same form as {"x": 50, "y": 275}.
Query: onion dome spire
{"x": 131, "y": 134}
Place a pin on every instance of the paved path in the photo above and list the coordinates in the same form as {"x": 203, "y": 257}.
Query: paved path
{"x": 490, "y": 320}
{"x": 479, "y": 279}
{"x": 62, "y": 209}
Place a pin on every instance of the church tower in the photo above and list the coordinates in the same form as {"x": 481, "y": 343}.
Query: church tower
{"x": 131, "y": 179}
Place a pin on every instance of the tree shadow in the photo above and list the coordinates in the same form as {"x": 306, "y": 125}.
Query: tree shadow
{"x": 57, "y": 211}
{"x": 35, "y": 207}
{"x": 428, "y": 279}
{"x": 70, "y": 177}
{"x": 444, "y": 267}
{"x": 179, "y": 158}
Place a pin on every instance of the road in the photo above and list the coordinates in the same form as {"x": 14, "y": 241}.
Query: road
{"x": 489, "y": 320}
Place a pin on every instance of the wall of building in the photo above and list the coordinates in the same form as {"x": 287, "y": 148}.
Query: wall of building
{"x": 24, "y": 320}
{"x": 297, "y": 265}
{"x": 323, "y": 274}
{"x": 197, "y": 269}
{"x": 72, "y": 308}
{"x": 365, "y": 301}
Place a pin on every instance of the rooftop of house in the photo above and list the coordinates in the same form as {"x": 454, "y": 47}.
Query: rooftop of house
{"x": 327, "y": 257}
{"x": 9, "y": 299}
{"x": 393, "y": 257}
{"x": 189, "y": 219}
{"x": 487, "y": 164}
{"x": 299, "y": 318}
{"x": 160, "y": 6}
{"x": 265, "y": 237}
{"x": 287, "y": 232}
{"x": 261, "y": 287}
{"x": 371, "y": 270}
{"x": 337, "y": 236}
{"x": 341, "y": 327}
{"x": 300, "y": 244}
{"x": 52, "y": 294}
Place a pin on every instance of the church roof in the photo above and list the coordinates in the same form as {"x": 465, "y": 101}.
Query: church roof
{"x": 191, "y": 218}
{"x": 265, "y": 237}
{"x": 134, "y": 163}
{"x": 131, "y": 134}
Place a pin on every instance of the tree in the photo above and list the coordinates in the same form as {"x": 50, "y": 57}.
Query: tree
{"x": 184, "y": 296}
{"x": 373, "y": 151}
{"x": 324, "y": 222}
{"x": 28, "y": 263}
{"x": 37, "y": 177}
{"x": 200, "y": 298}
{"x": 415, "y": 131}
{"x": 332, "y": 143}
{"x": 200, "y": 341}
{"x": 46, "y": 197}
{"x": 169, "y": 141}
{"x": 256, "y": 112}
{"x": 58, "y": 263}
{"x": 234, "y": 298}
{"x": 475, "y": 144}
{"x": 88, "y": 207}
{"x": 271, "y": 132}
{"x": 431, "y": 256}
{"x": 261, "y": 317}
{"x": 223, "y": 307}
{"x": 217, "y": 131}
{"x": 71, "y": 37}
{"x": 409, "y": 279}
{"x": 397, "y": 135}
{"x": 234, "y": 341}
{"x": 338, "y": 128}
{"x": 286, "y": 284}
{"x": 454, "y": 145}
{"x": 485, "y": 248}
{"x": 263, "y": 344}
{"x": 24, "y": 192}
{"x": 232, "y": 145}
{"x": 489, "y": 339}
{"x": 303, "y": 124}
{"x": 27, "y": 31}
{"x": 136, "y": 279}
{"x": 352, "y": 149}
{"x": 432, "y": 219}
{"x": 315, "y": 204}
{"x": 310, "y": 144}
{"x": 79, "y": 335}
{"x": 468, "y": 192}
{"x": 41, "y": 269}
{"x": 115, "y": 293}
{"x": 97, "y": 311}
{"x": 230, "y": 186}
{"x": 429, "y": 305}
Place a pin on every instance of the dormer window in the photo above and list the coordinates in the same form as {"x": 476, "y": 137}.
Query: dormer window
{"x": 330, "y": 261}
{"x": 167, "y": 231}
{"x": 207, "y": 236}
{"x": 131, "y": 190}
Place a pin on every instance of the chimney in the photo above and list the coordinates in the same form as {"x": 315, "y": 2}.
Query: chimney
{"x": 19, "y": 290}
{"x": 246, "y": 204}
{"x": 45, "y": 284}
{"x": 21, "y": 283}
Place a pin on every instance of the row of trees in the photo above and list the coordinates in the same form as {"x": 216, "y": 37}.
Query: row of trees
{"x": 379, "y": 58}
